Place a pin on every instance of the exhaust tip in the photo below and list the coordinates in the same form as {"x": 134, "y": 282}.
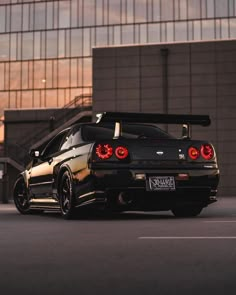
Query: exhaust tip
{"x": 124, "y": 199}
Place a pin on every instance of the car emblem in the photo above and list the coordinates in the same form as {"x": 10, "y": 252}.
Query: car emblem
{"x": 160, "y": 153}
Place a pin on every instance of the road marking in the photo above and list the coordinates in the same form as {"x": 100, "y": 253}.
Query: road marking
{"x": 188, "y": 238}
{"x": 221, "y": 221}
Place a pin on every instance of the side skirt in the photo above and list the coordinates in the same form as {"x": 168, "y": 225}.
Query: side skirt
{"x": 44, "y": 203}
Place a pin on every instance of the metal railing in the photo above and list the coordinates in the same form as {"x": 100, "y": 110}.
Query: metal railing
{"x": 18, "y": 151}
{"x": 78, "y": 104}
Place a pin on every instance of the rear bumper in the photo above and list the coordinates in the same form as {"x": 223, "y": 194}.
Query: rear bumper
{"x": 104, "y": 185}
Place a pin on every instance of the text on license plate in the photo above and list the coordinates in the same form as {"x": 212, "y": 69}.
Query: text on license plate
{"x": 161, "y": 183}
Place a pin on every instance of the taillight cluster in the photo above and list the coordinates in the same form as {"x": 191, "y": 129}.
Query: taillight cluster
{"x": 105, "y": 151}
{"x": 206, "y": 151}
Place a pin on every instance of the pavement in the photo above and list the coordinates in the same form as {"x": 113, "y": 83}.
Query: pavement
{"x": 131, "y": 253}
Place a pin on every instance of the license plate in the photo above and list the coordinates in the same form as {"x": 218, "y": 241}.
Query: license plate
{"x": 161, "y": 183}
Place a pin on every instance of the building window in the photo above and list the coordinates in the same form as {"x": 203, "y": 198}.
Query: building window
{"x": 197, "y": 30}
{"x": 208, "y": 30}
{"x": 181, "y": 31}
{"x": 169, "y": 32}
{"x": 39, "y": 75}
{"x": 210, "y": 8}
{"x": 63, "y": 73}
{"x": 221, "y": 8}
{"x": 40, "y": 16}
{"x": 194, "y": 9}
{"x": 64, "y": 14}
{"x": 141, "y": 11}
{"x": 157, "y": 10}
{"x": 114, "y": 13}
{"x": 15, "y": 75}
{"x": 232, "y": 24}
{"x": 101, "y": 38}
{"x": 127, "y": 34}
{"x": 49, "y": 15}
{"x": 51, "y": 47}
{"x": 99, "y": 12}
{"x": 4, "y": 46}
{"x": 2, "y": 75}
{"x": 181, "y": 7}
{"x": 13, "y": 48}
{"x": 76, "y": 42}
{"x": 26, "y": 13}
{"x": 89, "y": 13}
{"x": 16, "y": 17}
{"x": 26, "y": 99}
{"x": 2, "y": 19}
{"x": 167, "y": 10}
{"x": 27, "y": 46}
{"x": 37, "y": 45}
{"x": 153, "y": 33}
{"x": 4, "y": 101}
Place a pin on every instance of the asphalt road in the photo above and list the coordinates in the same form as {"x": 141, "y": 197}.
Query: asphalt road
{"x": 133, "y": 253}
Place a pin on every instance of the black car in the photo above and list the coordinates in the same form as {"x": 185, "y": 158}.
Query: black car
{"x": 122, "y": 162}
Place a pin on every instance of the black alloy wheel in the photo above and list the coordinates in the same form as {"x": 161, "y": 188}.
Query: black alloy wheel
{"x": 21, "y": 197}
{"x": 187, "y": 210}
{"x": 66, "y": 196}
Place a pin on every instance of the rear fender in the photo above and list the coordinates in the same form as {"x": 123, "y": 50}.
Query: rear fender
{"x": 59, "y": 174}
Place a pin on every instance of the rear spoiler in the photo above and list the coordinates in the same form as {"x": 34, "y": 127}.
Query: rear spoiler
{"x": 185, "y": 120}
{"x": 203, "y": 120}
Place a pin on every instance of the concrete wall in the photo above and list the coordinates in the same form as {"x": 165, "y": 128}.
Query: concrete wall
{"x": 23, "y": 128}
{"x": 192, "y": 78}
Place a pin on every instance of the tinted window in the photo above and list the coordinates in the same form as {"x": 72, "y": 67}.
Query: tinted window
{"x": 106, "y": 131}
{"x": 54, "y": 145}
{"x": 72, "y": 139}
{"x": 76, "y": 138}
{"x": 67, "y": 142}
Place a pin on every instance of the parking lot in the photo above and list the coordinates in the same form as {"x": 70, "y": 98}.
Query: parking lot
{"x": 130, "y": 253}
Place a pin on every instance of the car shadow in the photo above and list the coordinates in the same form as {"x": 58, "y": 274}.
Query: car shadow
{"x": 100, "y": 216}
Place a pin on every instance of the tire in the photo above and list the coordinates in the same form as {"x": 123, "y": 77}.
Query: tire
{"x": 187, "y": 211}
{"x": 66, "y": 196}
{"x": 21, "y": 196}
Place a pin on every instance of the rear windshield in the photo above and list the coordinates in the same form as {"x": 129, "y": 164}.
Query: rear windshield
{"x": 106, "y": 131}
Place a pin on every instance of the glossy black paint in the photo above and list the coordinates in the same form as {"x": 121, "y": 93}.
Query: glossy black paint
{"x": 121, "y": 184}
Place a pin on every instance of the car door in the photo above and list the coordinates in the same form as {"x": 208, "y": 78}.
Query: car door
{"x": 41, "y": 174}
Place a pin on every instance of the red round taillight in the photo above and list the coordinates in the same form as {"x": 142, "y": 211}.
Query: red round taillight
{"x": 121, "y": 152}
{"x": 193, "y": 153}
{"x": 104, "y": 151}
{"x": 207, "y": 151}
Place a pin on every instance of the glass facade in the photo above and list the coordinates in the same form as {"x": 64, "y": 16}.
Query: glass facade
{"x": 46, "y": 46}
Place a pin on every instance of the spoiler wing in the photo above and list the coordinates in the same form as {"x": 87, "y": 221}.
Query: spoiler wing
{"x": 185, "y": 120}
{"x": 203, "y": 120}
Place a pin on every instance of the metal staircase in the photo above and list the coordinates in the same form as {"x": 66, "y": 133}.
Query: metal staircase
{"x": 77, "y": 110}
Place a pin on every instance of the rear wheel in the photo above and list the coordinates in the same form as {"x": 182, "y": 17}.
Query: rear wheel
{"x": 66, "y": 196}
{"x": 187, "y": 211}
{"x": 21, "y": 197}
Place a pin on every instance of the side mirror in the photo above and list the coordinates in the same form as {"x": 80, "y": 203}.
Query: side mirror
{"x": 35, "y": 154}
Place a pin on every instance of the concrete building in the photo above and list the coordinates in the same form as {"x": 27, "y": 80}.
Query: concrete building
{"x": 46, "y": 47}
{"x": 191, "y": 78}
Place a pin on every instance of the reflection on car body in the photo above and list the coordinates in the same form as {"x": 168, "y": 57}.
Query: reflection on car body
{"x": 122, "y": 162}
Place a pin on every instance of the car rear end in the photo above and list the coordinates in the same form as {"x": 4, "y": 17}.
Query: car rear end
{"x": 155, "y": 174}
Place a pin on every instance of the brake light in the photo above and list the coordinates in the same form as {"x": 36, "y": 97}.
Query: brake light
{"x": 104, "y": 151}
{"x": 193, "y": 153}
{"x": 207, "y": 151}
{"x": 121, "y": 152}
